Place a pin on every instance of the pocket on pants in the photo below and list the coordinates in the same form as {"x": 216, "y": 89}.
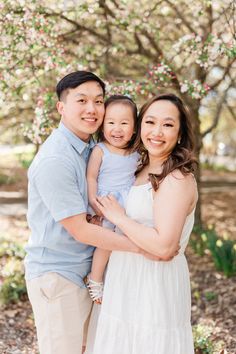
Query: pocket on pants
{"x": 54, "y": 286}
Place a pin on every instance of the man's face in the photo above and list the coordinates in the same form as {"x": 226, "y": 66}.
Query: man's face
{"x": 82, "y": 109}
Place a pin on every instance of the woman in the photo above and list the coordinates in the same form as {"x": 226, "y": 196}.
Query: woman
{"x": 146, "y": 304}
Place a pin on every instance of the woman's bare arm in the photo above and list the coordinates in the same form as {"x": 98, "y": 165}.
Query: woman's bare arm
{"x": 173, "y": 201}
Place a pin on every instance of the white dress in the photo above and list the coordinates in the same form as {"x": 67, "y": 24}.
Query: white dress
{"x": 146, "y": 304}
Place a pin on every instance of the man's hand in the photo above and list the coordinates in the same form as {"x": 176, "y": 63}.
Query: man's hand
{"x": 152, "y": 257}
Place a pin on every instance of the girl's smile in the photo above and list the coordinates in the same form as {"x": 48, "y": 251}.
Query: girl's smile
{"x": 118, "y": 126}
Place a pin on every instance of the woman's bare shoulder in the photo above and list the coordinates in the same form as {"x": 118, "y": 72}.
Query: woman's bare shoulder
{"x": 177, "y": 179}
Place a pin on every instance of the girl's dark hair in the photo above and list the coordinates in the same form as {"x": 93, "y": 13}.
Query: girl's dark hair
{"x": 125, "y": 100}
{"x": 181, "y": 157}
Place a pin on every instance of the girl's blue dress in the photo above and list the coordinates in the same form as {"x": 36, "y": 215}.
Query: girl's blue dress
{"x": 116, "y": 175}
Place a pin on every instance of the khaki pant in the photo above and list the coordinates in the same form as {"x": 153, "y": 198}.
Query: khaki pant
{"x": 61, "y": 311}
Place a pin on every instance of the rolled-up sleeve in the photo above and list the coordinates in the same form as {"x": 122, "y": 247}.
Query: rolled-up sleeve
{"x": 57, "y": 183}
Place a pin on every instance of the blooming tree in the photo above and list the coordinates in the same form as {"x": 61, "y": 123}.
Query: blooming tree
{"x": 140, "y": 50}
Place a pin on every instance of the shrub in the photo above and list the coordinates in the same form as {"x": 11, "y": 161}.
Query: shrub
{"x": 26, "y": 159}
{"x": 12, "y": 287}
{"x": 198, "y": 240}
{"x": 7, "y": 180}
{"x": 223, "y": 250}
{"x": 11, "y": 249}
{"x": 203, "y": 343}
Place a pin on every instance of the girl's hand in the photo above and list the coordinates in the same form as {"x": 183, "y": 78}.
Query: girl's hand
{"x": 95, "y": 219}
{"x": 110, "y": 208}
{"x": 95, "y": 208}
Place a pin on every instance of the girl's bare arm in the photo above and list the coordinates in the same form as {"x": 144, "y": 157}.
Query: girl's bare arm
{"x": 94, "y": 164}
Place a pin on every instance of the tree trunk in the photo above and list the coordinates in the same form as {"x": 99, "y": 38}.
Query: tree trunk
{"x": 198, "y": 214}
{"x": 194, "y": 109}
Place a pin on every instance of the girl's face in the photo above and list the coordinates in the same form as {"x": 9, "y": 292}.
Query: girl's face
{"x": 160, "y": 129}
{"x": 118, "y": 125}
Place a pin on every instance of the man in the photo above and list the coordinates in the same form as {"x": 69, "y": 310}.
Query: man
{"x": 59, "y": 250}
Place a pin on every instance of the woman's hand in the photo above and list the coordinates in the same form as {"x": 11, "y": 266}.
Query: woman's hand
{"x": 110, "y": 208}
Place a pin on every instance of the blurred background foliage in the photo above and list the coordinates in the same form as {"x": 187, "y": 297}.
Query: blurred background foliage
{"x": 141, "y": 50}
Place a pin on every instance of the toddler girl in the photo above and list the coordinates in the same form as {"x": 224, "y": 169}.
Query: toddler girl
{"x": 111, "y": 170}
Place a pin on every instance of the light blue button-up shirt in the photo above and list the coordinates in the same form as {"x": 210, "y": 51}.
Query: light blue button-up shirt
{"x": 57, "y": 190}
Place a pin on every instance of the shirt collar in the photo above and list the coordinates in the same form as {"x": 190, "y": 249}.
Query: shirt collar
{"x": 78, "y": 144}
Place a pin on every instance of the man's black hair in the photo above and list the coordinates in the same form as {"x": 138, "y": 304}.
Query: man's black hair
{"x": 75, "y": 79}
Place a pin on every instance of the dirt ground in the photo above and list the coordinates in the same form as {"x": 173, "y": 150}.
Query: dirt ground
{"x": 213, "y": 295}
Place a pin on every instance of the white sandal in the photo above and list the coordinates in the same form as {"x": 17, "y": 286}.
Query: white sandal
{"x": 95, "y": 289}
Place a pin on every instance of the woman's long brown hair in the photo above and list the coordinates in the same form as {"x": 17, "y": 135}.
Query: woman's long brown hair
{"x": 181, "y": 157}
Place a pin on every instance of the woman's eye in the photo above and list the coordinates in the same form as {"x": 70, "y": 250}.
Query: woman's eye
{"x": 168, "y": 125}
{"x": 149, "y": 122}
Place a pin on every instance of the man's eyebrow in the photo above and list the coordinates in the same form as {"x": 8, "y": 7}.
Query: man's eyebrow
{"x": 83, "y": 94}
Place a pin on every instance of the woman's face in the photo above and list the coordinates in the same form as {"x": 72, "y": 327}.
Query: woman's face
{"x": 160, "y": 128}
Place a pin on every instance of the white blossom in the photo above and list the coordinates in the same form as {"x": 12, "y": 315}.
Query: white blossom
{"x": 183, "y": 88}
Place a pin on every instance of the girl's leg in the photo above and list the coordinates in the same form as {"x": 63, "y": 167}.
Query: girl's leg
{"x": 94, "y": 280}
{"x": 100, "y": 260}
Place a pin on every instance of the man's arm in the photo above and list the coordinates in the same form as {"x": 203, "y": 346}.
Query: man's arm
{"x": 56, "y": 182}
{"x": 97, "y": 236}
{"x": 104, "y": 238}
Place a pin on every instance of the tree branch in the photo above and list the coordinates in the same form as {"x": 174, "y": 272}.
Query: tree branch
{"x": 230, "y": 109}
{"x": 141, "y": 49}
{"x": 231, "y": 16}
{"x": 217, "y": 115}
{"x": 152, "y": 42}
{"x": 155, "y": 6}
{"x": 107, "y": 10}
{"x": 224, "y": 75}
{"x": 187, "y": 24}
{"x": 208, "y": 30}
{"x": 75, "y": 24}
